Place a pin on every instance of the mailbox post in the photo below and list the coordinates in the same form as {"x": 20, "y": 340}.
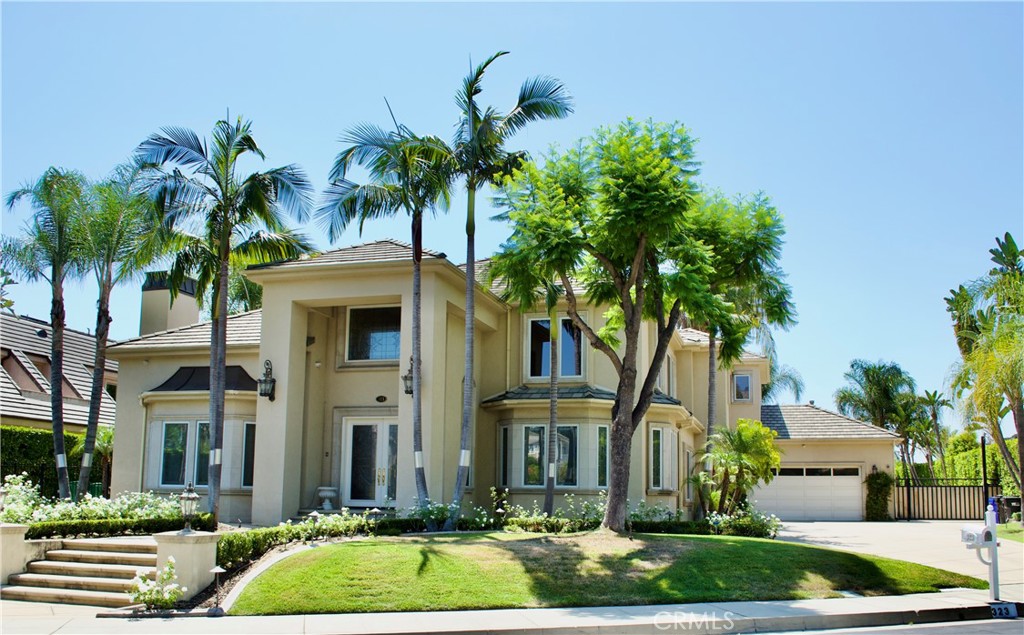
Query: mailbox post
{"x": 980, "y": 537}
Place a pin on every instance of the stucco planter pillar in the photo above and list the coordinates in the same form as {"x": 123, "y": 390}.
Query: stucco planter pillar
{"x": 13, "y": 550}
{"x": 195, "y": 553}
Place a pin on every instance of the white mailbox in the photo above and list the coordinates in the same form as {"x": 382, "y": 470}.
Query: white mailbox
{"x": 977, "y": 536}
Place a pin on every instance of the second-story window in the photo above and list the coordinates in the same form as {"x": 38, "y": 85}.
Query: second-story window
{"x": 374, "y": 334}
{"x": 741, "y": 387}
{"x": 570, "y": 349}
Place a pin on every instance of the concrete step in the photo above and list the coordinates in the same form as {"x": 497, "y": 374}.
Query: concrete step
{"x": 106, "y": 544}
{"x": 86, "y": 583}
{"x": 65, "y": 596}
{"x": 103, "y": 557}
{"x": 89, "y": 569}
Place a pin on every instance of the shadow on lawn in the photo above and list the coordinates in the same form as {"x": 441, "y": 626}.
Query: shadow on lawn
{"x": 600, "y": 569}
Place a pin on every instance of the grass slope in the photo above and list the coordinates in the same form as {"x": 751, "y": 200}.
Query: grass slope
{"x": 498, "y": 570}
{"x": 1011, "y": 531}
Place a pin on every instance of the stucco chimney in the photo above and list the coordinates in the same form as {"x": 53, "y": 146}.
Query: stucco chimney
{"x": 158, "y": 314}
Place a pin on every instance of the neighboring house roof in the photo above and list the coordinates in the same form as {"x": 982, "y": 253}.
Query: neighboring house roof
{"x": 805, "y": 421}
{"x": 198, "y": 378}
{"x": 387, "y": 250}
{"x": 243, "y": 329}
{"x": 24, "y": 337}
{"x": 584, "y": 391}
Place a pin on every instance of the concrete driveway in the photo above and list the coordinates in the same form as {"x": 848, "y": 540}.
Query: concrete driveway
{"x": 935, "y": 543}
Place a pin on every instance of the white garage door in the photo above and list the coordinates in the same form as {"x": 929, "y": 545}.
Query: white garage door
{"x": 821, "y": 492}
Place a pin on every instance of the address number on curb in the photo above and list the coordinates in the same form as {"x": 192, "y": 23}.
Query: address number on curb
{"x": 1003, "y": 610}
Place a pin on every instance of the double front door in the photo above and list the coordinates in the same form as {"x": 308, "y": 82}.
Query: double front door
{"x": 370, "y": 468}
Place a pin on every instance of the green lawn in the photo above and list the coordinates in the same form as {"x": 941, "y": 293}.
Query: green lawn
{"x": 1011, "y": 531}
{"x": 499, "y": 570}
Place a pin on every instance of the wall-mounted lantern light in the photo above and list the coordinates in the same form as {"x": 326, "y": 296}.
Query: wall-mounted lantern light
{"x": 266, "y": 382}
{"x": 407, "y": 379}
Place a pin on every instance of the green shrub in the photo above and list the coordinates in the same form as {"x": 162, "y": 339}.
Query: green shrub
{"x": 240, "y": 547}
{"x": 684, "y": 527}
{"x": 30, "y": 450}
{"x": 114, "y": 527}
{"x": 879, "y": 491}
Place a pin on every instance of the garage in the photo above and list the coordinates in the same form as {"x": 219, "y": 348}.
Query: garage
{"x": 814, "y": 492}
{"x": 825, "y": 459}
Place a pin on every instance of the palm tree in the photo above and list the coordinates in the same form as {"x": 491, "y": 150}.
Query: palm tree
{"x": 934, "y": 402}
{"x": 525, "y": 283}
{"x": 116, "y": 245}
{"x": 481, "y": 158}
{"x": 874, "y": 395}
{"x": 781, "y": 377}
{"x": 741, "y": 459}
{"x": 236, "y": 216}
{"x": 52, "y": 242}
{"x": 407, "y": 173}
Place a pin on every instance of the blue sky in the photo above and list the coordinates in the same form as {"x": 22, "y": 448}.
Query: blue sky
{"x": 891, "y": 136}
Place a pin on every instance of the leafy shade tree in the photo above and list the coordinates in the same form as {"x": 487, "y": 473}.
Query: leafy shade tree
{"x": 934, "y": 402}
{"x": 781, "y": 378}
{"x": 614, "y": 217}
{"x": 236, "y": 217}
{"x": 481, "y": 158}
{"x": 50, "y": 250}
{"x": 117, "y": 242}
{"x": 874, "y": 394}
{"x": 408, "y": 174}
{"x": 526, "y": 281}
{"x": 746, "y": 271}
{"x": 741, "y": 458}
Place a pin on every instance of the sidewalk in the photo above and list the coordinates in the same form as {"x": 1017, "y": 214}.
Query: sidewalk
{"x": 723, "y": 617}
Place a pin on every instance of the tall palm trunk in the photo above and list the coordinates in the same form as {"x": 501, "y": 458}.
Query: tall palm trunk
{"x": 712, "y": 384}
{"x": 57, "y": 319}
{"x": 1017, "y": 409}
{"x": 467, "y": 378}
{"x": 1004, "y": 451}
{"x": 938, "y": 444}
{"x": 218, "y": 361}
{"x": 96, "y": 396}
{"x": 549, "y": 483}
{"x": 422, "y": 494}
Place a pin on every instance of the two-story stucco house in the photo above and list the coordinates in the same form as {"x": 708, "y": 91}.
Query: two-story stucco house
{"x": 335, "y": 331}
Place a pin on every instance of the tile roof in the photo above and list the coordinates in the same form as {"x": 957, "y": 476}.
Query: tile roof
{"x": 20, "y": 334}
{"x": 805, "y": 421}
{"x": 243, "y": 329}
{"x": 577, "y": 391}
{"x": 387, "y": 250}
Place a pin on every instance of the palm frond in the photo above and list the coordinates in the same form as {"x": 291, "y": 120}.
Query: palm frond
{"x": 539, "y": 98}
{"x": 176, "y": 145}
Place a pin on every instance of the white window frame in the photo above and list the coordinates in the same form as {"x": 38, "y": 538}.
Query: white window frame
{"x": 527, "y": 340}
{"x": 504, "y": 455}
{"x": 579, "y": 444}
{"x": 750, "y": 387}
{"x": 607, "y": 458}
{"x": 671, "y": 363}
{"x": 348, "y": 335}
{"x": 195, "y": 454}
{"x": 668, "y": 455}
{"x": 163, "y": 446}
{"x": 543, "y": 455}
{"x": 241, "y": 479}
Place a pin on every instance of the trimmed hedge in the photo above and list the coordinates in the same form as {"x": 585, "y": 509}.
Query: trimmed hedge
{"x": 966, "y": 464}
{"x": 879, "y": 491}
{"x": 31, "y": 450}
{"x": 114, "y": 527}
{"x": 685, "y": 527}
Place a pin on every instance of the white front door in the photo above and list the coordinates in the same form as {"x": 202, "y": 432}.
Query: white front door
{"x": 369, "y": 470}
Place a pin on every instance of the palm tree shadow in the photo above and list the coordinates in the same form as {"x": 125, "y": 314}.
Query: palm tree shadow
{"x": 428, "y": 553}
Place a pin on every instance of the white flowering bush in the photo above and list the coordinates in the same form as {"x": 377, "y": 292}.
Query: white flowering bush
{"x": 746, "y": 521}
{"x": 161, "y": 593}
{"x": 645, "y": 512}
{"x": 24, "y": 504}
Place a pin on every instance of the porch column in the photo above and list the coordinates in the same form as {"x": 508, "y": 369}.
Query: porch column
{"x": 277, "y": 477}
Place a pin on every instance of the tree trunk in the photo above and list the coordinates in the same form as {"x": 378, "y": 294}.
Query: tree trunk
{"x": 218, "y": 364}
{"x": 712, "y": 385}
{"x": 549, "y": 484}
{"x": 98, "y": 376}
{"x": 938, "y": 444}
{"x": 422, "y": 496}
{"x": 1017, "y": 409}
{"x": 723, "y": 491}
{"x": 1004, "y": 451}
{"x": 57, "y": 319}
{"x": 618, "y": 477}
{"x": 467, "y": 378}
